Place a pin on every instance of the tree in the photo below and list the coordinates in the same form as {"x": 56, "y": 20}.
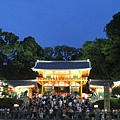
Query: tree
{"x": 111, "y": 51}
{"x": 103, "y": 54}
{"x": 112, "y": 29}
{"x": 66, "y": 53}
{"x": 62, "y": 53}
{"x": 93, "y": 50}
{"x": 26, "y": 58}
{"x": 116, "y": 91}
{"x": 9, "y": 45}
{"x": 48, "y": 53}
{"x": 18, "y": 57}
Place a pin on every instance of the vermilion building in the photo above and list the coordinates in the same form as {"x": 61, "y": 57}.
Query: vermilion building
{"x": 62, "y": 76}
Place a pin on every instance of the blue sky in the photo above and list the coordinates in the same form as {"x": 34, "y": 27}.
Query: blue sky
{"x": 57, "y": 22}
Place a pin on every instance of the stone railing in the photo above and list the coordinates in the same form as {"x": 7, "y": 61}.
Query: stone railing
{"x": 28, "y": 115}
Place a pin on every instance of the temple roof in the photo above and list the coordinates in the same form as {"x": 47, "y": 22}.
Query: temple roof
{"x": 22, "y": 82}
{"x": 62, "y": 65}
{"x": 102, "y": 82}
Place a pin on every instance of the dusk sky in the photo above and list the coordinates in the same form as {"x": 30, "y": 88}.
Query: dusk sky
{"x": 57, "y": 22}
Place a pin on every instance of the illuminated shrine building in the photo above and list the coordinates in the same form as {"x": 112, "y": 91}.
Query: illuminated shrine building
{"x": 64, "y": 77}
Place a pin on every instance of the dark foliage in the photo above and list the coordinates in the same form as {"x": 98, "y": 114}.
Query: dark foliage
{"x": 9, "y": 102}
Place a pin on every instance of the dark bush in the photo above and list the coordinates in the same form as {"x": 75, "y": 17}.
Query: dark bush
{"x": 9, "y": 102}
{"x": 114, "y": 103}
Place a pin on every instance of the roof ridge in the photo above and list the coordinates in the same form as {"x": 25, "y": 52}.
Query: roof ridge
{"x": 64, "y": 60}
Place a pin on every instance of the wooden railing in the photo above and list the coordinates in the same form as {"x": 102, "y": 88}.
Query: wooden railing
{"x": 62, "y": 79}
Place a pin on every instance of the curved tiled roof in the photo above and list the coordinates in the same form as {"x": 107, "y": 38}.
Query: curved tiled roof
{"x": 22, "y": 82}
{"x": 62, "y": 65}
{"x": 102, "y": 82}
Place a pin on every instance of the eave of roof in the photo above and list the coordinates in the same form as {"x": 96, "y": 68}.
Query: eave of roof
{"x": 101, "y": 82}
{"x": 62, "y": 65}
{"x": 22, "y": 82}
{"x": 27, "y": 86}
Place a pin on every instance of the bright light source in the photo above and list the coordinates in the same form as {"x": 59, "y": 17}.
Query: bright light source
{"x": 95, "y": 106}
{"x": 16, "y": 105}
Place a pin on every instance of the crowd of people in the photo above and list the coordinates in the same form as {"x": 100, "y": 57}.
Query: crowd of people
{"x": 65, "y": 106}
{"x": 55, "y": 106}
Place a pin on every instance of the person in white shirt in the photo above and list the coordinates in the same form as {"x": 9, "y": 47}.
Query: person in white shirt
{"x": 70, "y": 104}
{"x": 60, "y": 103}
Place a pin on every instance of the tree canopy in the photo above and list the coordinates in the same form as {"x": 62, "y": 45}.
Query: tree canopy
{"x": 62, "y": 53}
{"x": 112, "y": 29}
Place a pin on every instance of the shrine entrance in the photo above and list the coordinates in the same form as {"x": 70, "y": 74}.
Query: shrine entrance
{"x": 62, "y": 77}
{"x": 62, "y": 90}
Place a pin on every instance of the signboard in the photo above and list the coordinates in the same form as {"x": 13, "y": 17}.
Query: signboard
{"x": 106, "y": 96}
